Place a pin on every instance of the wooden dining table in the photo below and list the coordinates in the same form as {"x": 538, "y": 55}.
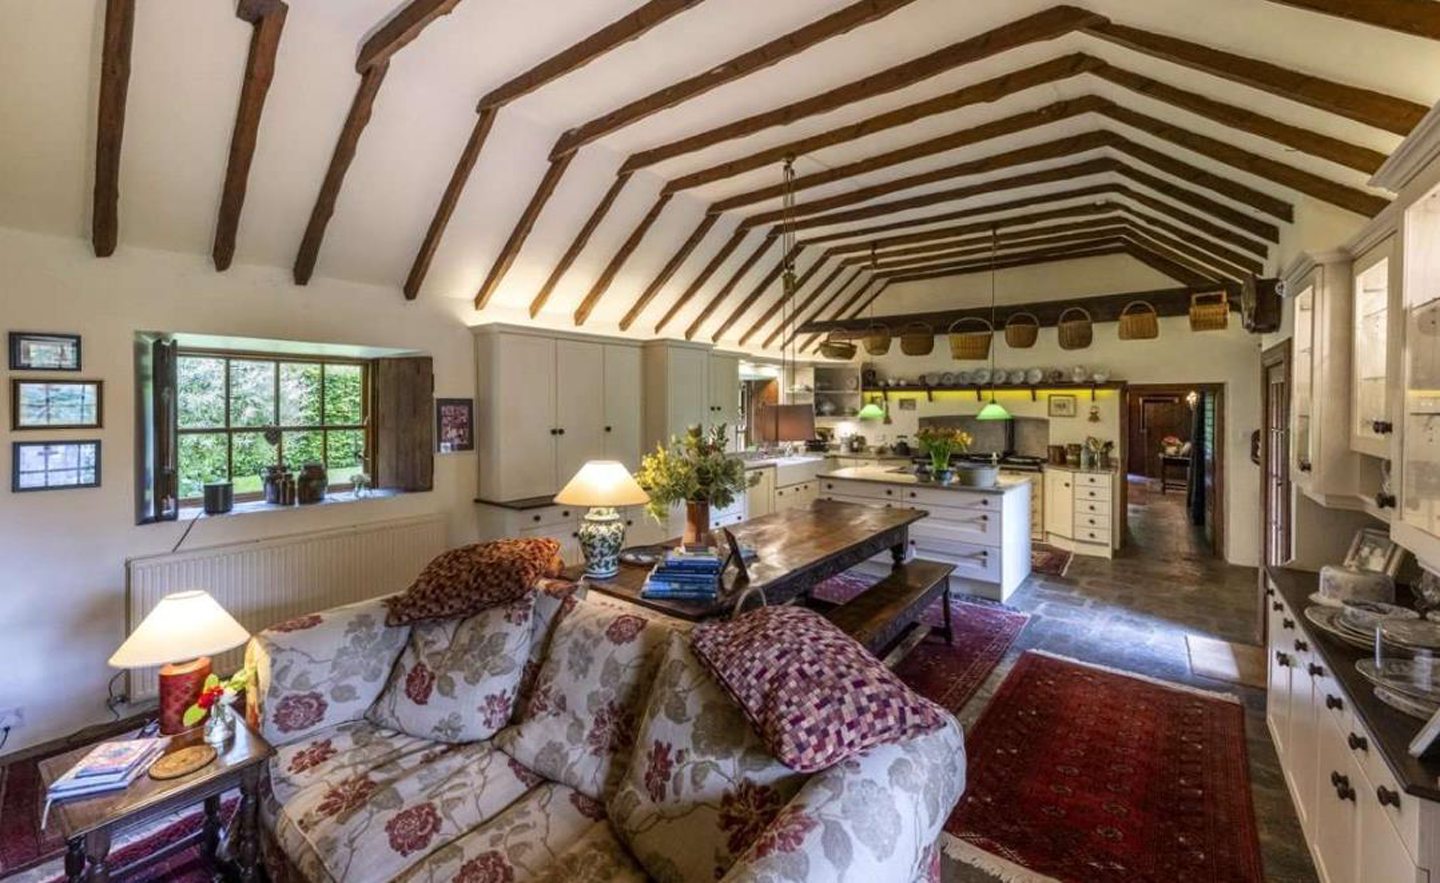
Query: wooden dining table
{"x": 796, "y": 549}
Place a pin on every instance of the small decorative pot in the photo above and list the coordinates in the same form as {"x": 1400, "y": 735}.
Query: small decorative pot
{"x": 220, "y": 725}
{"x": 978, "y": 476}
{"x": 219, "y": 497}
{"x": 944, "y": 476}
{"x": 697, "y": 522}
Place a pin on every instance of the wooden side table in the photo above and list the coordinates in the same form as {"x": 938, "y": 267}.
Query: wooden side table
{"x": 89, "y": 824}
{"x": 1174, "y": 461}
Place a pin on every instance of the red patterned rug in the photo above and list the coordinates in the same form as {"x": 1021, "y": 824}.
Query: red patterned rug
{"x": 1087, "y": 775}
{"x": 946, "y": 673}
{"x": 1049, "y": 560}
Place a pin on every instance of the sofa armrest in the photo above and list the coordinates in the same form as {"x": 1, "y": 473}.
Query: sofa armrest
{"x": 321, "y": 669}
{"x": 872, "y": 817}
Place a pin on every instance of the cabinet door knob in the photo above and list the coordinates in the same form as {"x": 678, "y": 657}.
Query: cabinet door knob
{"x": 565, "y": 513}
{"x": 1288, "y": 623}
{"x": 1282, "y": 659}
{"x": 560, "y": 431}
{"x": 535, "y": 518}
{"x": 1357, "y": 743}
{"x": 1387, "y": 797}
{"x": 1382, "y": 427}
{"x": 609, "y": 429}
{"x": 1276, "y": 606}
{"x": 1333, "y": 702}
{"x": 912, "y": 495}
{"x": 888, "y": 492}
{"x": 1315, "y": 671}
{"x": 1301, "y": 646}
{"x": 1269, "y": 593}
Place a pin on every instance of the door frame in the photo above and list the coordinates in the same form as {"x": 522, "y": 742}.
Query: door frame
{"x": 1279, "y": 354}
{"x": 1136, "y": 390}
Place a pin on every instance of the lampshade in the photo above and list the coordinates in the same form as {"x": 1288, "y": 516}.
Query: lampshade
{"x": 871, "y": 411}
{"x": 993, "y": 410}
{"x": 184, "y": 625}
{"x": 602, "y": 483}
{"x": 785, "y": 423}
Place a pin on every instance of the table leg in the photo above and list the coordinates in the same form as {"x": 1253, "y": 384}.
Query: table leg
{"x": 75, "y": 860}
{"x": 211, "y": 840}
{"x": 248, "y": 849}
{"x": 945, "y": 599}
{"x": 97, "y": 855}
{"x": 897, "y": 551}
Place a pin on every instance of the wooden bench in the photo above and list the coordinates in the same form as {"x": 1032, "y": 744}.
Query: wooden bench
{"x": 882, "y": 616}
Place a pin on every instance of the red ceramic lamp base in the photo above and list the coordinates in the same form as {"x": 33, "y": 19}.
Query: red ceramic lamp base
{"x": 180, "y": 686}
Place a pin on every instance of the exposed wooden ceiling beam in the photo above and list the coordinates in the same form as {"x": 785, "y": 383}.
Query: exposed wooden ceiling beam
{"x": 1419, "y": 18}
{"x": 755, "y": 293}
{"x": 841, "y": 306}
{"x": 355, "y": 122}
{"x": 578, "y": 245}
{"x": 523, "y": 226}
{"x": 592, "y": 298}
{"x": 1336, "y": 150}
{"x": 742, "y": 65}
{"x": 1195, "y": 251}
{"x": 110, "y": 124}
{"x": 1362, "y": 105}
{"x": 667, "y": 271}
{"x": 800, "y": 284}
{"x": 1105, "y": 228}
{"x": 617, "y": 33}
{"x": 725, "y": 289}
{"x": 267, "y": 21}
{"x": 1175, "y": 266}
{"x": 699, "y": 281}
{"x": 402, "y": 28}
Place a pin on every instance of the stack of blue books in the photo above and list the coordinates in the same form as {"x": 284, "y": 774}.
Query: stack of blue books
{"x": 686, "y": 575}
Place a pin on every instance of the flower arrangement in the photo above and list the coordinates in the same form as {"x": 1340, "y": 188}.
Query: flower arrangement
{"x": 941, "y": 444}
{"x": 215, "y": 691}
{"x": 1170, "y": 444}
{"x": 692, "y": 469}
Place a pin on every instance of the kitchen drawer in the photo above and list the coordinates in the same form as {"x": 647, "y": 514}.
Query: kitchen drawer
{"x": 1091, "y": 507}
{"x": 1406, "y": 818}
{"x": 1092, "y": 479}
{"x": 1091, "y": 492}
{"x": 1092, "y": 521}
{"x": 958, "y": 525}
{"x": 862, "y": 501}
{"x": 862, "y": 489}
{"x": 549, "y": 516}
{"x": 971, "y": 561}
{"x": 925, "y": 497}
{"x": 1092, "y": 535}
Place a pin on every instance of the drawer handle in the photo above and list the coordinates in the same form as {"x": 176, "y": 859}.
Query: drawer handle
{"x": 1301, "y": 646}
{"x": 1269, "y": 593}
{"x": 888, "y": 492}
{"x": 575, "y": 534}
{"x": 565, "y": 513}
{"x": 1276, "y": 606}
{"x": 1342, "y": 787}
{"x": 536, "y": 518}
{"x": 1357, "y": 743}
{"x": 609, "y": 429}
{"x": 1282, "y": 659}
{"x": 1287, "y": 623}
{"x": 1387, "y": 797}
{"x": 1315, "y": 671}
{"x": 1334, "y": 703}
{"x": 1382, "y": 427}
{"x": 912, "y": 494}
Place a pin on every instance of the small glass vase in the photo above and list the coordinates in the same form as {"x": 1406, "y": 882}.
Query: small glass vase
{"x": 220, "y": 725}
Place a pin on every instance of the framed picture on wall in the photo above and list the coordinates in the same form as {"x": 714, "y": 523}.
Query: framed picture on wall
{"x": 1062, "y": 406}
{"x": 55, "y": 404}
{"x": 455, "y": 425}
{"x": 37, "y": 351}
{"x": 53, "y": 466}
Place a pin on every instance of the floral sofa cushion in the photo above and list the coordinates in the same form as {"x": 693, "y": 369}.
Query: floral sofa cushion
{"x": 579, "y": 722}
{"x": 456, "y": 679}
{"x": 553, "y": 599}
{"x": 813, "y": 693}
{"x": 349, "y": 820}
{"x": 701, "y": 786}
{"x": 469, "y": 579}
{"x": 316, "y": 671}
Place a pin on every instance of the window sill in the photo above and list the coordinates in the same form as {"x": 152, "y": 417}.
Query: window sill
{"x": 257, "y": 506}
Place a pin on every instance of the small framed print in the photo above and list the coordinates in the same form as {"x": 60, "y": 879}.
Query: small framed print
{"x": 55, "y": 404}
{"x": 53, "y": 466}
{"x": 455, "y": 425}
{"x": 1372, "y": 550}
{"x": 1062, "y": 406}
{"x": 37, "y": 351}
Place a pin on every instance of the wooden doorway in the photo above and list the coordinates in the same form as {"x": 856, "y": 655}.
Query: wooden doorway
{"x": 1273, "y": 452}
{"x": 1193, "y": 413}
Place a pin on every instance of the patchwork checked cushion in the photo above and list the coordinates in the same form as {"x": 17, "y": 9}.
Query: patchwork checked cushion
{"x": 701, "y": 785}
{"x": 814, "y": 694}
{"x": 471, "y": 578}
{"x": 580, "y": 719}
{"x": 457, "y": 679}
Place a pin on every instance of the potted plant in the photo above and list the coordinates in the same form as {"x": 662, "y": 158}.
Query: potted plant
{"x": 694, "y": 470}
{"x": 1171, "y": 444}
{"x": 939, "y": 445}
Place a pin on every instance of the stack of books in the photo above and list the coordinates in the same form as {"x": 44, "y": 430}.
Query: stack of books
{"x": 686, "y": 574}
{"x": 110, "y": 766}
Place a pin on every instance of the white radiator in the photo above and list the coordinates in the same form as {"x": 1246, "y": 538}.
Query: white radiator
{"x": 268, "y": 581}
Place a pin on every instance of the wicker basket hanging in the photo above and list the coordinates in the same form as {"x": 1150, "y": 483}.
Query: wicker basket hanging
{"x": 834, "y": 346}
{"x": 1075, "y": 329}
{"x": 877, "y": 339}
{"x": 1139, "y": 321}
{"x": 917, "y": 339}
{"x": 1209, "y": 312}
{"x": 1021, "y": 330}
{"x": 973, "y": 343}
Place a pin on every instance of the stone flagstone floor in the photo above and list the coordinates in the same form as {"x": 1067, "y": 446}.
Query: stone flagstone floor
{"x": 1133, "y": 613}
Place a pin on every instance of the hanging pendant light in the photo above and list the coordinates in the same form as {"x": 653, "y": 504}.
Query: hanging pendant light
{"x": 993, "y": 410}
{"x": 871, "y": 411}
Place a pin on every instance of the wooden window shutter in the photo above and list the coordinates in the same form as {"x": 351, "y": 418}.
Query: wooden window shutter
{"x": 403, "y": 415}
{"x": 157, "y": 477}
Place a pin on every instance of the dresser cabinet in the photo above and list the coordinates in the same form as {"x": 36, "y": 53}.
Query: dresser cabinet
{"x": 1082, "y": 511}
{"x": 547, "y": 403}
{"x": 562, "y": 524}
{"x": 1371, "y": 422}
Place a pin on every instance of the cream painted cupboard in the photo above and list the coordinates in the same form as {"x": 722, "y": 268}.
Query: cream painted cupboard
{"x": 1417, "y": 525}
{"x": 546, "y": 403}
{"x": 722, "y": 403}
{"x": 531, "y": 518}
{"x": 1374, "y": 298}
{"x": 1082, "y": 510}
{"x": 687, "y": 384}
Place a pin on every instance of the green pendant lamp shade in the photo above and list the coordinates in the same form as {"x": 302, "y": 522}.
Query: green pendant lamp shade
{"x": 871, "y": 411}
{"x": 993, "y": 410}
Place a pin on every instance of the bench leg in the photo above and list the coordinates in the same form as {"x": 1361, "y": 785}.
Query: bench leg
{"x": 948, "y": 630}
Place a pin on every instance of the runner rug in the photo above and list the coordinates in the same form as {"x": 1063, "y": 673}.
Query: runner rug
{"x": 1084, "y": 774}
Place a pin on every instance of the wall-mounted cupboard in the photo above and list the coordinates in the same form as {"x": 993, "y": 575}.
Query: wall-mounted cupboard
{"x": 1418, "y": 524}
{"x": 1371, "y": 426}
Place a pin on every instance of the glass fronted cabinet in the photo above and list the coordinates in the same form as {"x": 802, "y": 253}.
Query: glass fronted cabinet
{"x": 1418, "y": 527}
{"x": 1370, "y": 422}
{"x": 1304, "y": 386}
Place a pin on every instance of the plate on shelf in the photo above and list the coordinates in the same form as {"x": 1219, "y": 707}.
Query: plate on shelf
{"x": 962, "y": 377}
{"x": 932, "y": 379}
{"x": 981, "y": 375}
{"x": 1034, "y": 376}
{"x": 948, "y": 378}
{"x": 1327, "y": 619}
{"x": 1407, "y": 676}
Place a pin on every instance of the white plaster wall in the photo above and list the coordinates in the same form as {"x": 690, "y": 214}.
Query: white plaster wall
{"x": 62, "y": 607}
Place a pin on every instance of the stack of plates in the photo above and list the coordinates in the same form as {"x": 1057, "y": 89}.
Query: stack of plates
{"x": 1411, "y": 685}
{"x": 1355, "y": 622}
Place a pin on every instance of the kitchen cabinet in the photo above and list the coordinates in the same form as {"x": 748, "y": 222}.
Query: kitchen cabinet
{"x": 1082, "y": 510}
{"x": 1371, "y": 426}
{"x": 1417, "y": 526}
{"x": 676, "y": 389}
{"x": 760, "y": 497}
{"x": 723, "y": 399}
{"x": 560, "y": 523}
{"x": 544, "y": 403}
{"x": 1059, "y": 502}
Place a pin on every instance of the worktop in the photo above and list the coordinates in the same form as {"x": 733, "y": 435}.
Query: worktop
{"x": 887, "y": 475}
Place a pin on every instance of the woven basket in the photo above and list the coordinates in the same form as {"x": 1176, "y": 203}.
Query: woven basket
{"x": 836, "y": 347}
{"x": 917, "y": 339}
{"x": 971, "y": 344}
{"x": 1209, "y": 312}
{"x": 1021, "y": 330}
{"x": 1139, "y": 321}
{"x": 877, "y": 339}
{"x": 1075, "y": 329}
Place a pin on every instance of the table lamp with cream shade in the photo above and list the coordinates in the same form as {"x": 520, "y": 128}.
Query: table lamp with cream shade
{"x": 602, "y": 485}
{"x": 179, "y": 635}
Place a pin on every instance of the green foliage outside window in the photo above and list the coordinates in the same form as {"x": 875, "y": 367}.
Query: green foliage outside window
{"x": 237, "y": 415}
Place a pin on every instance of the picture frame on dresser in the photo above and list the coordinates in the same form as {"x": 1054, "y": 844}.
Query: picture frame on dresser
{"x": 44, "y": 351}
{"x": 1372, "y": 550}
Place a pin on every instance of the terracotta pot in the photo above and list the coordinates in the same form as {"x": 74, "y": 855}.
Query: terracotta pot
{"x": 697, "y": 522}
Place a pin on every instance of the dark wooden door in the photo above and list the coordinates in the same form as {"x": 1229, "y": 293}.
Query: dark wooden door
{"x": 1275, "y": 461}
{"x": 1157, "y": 416}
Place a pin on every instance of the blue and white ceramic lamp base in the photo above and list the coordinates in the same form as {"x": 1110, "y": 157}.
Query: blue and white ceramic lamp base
{"x": 602, "y": 536}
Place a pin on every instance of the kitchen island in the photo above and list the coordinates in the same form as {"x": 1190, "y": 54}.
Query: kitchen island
{"x": 984, "y": 532}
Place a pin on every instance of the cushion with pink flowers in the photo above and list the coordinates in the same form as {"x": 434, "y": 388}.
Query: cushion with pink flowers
{"x": 701, "y": 785}
{"x": 457, "y": 679}
{"x": 471, "y": 578}
{"x": 815, "y": 695}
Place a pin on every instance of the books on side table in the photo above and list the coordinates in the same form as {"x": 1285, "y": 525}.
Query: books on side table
{"x": 109, "y": 766}
{"x": 688, "y": 573}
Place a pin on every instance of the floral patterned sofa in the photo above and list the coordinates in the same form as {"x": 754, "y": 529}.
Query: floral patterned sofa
{"x": 573, "y": 789}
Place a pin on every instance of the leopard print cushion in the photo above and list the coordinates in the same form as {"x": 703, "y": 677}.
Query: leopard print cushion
{"x": 467, "y": 580}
